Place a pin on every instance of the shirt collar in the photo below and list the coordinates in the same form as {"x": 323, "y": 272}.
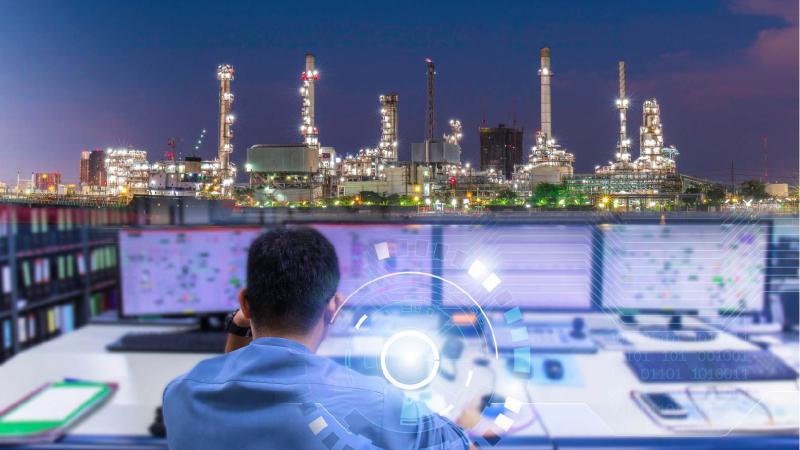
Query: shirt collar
{"x": 281, "y": 342}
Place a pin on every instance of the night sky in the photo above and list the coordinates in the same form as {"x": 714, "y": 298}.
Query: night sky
{"x": 84, "y": 74}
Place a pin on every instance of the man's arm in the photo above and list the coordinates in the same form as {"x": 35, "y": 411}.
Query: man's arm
{"x": 235, "y": 342}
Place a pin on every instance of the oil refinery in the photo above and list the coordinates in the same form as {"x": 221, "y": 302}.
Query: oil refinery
{"x": 309, "y": 173}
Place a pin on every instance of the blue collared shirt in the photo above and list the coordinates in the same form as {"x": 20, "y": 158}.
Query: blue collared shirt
{"x": 276, "y": 394}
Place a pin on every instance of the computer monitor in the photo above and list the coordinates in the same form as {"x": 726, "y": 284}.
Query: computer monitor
{"x": 368, "y": 251}
{"x": 703, "y": 268}
{"x": 183, "y": 271}
{"x": 532, "y": 266}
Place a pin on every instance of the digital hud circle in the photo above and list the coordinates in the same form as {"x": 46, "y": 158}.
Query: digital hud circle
{"x": 431, "y": 338}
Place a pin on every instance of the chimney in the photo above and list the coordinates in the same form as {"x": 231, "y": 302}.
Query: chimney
{"x": 544, "y": 76}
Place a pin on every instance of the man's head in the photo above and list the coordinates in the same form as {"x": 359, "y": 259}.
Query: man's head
{"x": 292, "y": 275}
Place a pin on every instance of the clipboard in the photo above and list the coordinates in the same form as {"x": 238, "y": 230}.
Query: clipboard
{"x": 48, "y": 412}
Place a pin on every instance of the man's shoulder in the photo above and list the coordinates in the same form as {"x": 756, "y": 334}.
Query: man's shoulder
{"x": 250, "y": 365}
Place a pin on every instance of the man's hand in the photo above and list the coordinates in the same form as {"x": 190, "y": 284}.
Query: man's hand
{"x": 236, "y": 342}
{"x": 470, "y": 415}
{"x": 240, "y": 321}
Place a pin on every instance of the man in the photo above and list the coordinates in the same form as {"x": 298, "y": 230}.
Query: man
{"x": 273, "y": 392}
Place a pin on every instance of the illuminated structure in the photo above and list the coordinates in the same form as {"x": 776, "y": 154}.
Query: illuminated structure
{"x": 430, "y": 119}
{"x": 548, "y": 161}
{"x": 83, "y": 175}
{"x": 308, "y": 128}
{"x": 389, "y": 135}
{"x": 46, "y": 181}
{"x": 436, "y": 154}
{"x": 456, "y": 133}
{"x": 282, "y": 173}
{"x": 93, "y": 168}
{"x": 649, "y": 180}
{"x": 370, "y": 163}
{"x": 651, "y": 142}
{"x": 226, "y": 170}
{"x": 127, "y": 171}
{"x": 622, "y": 162}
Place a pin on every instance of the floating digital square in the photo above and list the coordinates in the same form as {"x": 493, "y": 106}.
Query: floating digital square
{"x": 382, "y": 250}
{"x": 491, "y": 282}
{"x": 504, "y": 422}
{"x": 522, "y": 360}
{"x": 513, "y": 315}
{"x": 317, "y": 425}
{"x": 512, "y": 404}
{"x": 330, "y": 440}
{"x": 476, "y": 269}
{"x": 519, "y": 334}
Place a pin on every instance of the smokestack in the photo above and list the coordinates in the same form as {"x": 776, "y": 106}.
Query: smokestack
{"x": 544, "y": 76}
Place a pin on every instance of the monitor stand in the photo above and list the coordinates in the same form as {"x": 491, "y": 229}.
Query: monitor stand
{"x": 676, "y": 331}
{"x": 213, "y": 322}
{"x": 208, "y": 337}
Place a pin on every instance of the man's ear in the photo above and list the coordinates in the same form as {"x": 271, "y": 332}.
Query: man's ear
{"x": 334, "y": 304}
{"x": 243, "y": 304}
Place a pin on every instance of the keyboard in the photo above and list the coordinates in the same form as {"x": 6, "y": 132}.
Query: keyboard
{"x": 710, "y": 366}
{"x": 193, "y": 341}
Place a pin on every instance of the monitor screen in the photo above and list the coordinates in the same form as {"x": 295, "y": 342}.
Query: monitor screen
{"x": 543, "y": 266}
{"x": 183, "y": 270}
{"x": 697, "y": 267}
{"x": 367, "y": 252}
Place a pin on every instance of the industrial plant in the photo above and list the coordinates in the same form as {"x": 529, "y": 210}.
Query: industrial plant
{"x": 306, "y": 172}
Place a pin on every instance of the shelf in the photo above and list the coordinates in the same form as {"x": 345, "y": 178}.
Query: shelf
{"x": 50, "y": 301}
{"x": 98, "y": 242}
{"x": 103, "y": 285}
{"x": 48, "y": 250}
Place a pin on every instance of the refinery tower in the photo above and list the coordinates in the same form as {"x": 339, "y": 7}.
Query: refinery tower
{"x": 548, "y": 161}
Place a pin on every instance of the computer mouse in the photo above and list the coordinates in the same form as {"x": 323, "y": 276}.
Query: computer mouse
{"x": 553, "y": 369}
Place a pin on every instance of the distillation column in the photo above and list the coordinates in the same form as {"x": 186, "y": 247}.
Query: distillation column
{"x": 308, "y": 127}
{"x": 624, "y": 144}
{"x": 651, "y": 137}
{"x": 388, "y": 143}
{"x": 225, "y": 76}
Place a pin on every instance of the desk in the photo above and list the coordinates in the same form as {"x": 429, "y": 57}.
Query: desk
{"x": 82, "y": 354}
{"x": 597, "y": 413}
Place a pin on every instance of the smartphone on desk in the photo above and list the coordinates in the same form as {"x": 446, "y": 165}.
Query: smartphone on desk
{"x": 664, "y": 405}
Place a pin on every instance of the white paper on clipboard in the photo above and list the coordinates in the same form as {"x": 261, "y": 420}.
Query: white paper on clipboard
{"x": 54, "y": 404}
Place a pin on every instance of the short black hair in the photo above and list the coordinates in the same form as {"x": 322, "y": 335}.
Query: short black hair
{"x": 292, "y": 273}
